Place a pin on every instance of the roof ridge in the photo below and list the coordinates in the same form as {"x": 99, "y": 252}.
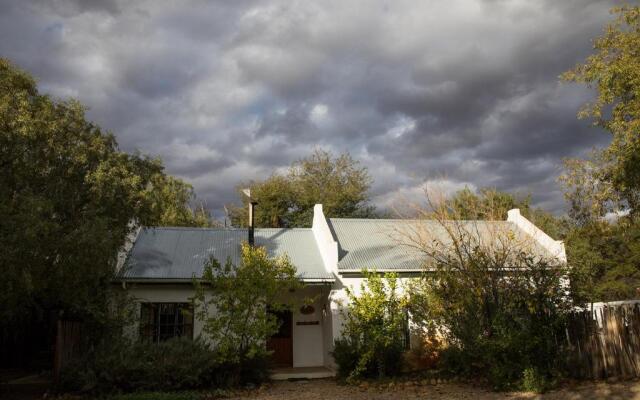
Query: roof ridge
{"x": 414, "y": 220}
{"x": 198, "y": 228}
{"x": 191, "y": 228}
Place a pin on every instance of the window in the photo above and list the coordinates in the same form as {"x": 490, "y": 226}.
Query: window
{"x": 162, "y": 321}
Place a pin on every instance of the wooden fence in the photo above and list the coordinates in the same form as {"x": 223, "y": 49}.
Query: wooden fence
{"x": 604, "y": 342}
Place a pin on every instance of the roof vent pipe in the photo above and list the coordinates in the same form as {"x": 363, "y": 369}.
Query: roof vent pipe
{"x": 252, "y": 204}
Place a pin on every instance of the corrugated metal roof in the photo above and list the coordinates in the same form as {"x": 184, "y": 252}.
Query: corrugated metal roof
{"x": 385, "y": 244}
{"x": 181, "y": 253}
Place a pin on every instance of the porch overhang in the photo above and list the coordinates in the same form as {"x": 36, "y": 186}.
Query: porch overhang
{"x": 307, "y": 279}
{"x": 318, "y": 282}
{"x": 316, "y": 278}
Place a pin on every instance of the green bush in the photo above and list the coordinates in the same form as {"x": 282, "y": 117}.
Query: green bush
{"x": 374, "y": 330}
{"x": 240, "y": 294}
{"x": 177, "y": 364}
{"x": 346, "y": 357}
{"x": 534, "y": 381}
{"x": 501, "y": 310}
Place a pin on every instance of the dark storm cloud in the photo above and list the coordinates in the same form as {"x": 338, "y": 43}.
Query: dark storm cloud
{"x": 459, "y": 93}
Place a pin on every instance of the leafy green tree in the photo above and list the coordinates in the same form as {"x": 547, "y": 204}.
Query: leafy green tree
{"x": 612, "y": 175}
{"x": 339, "y": 183}
{"x": 68, "y": 200}
{"x": 375, "y": 323}
{"x": 604, "y": 255}
{"x": 604, "y": 259}
{"x": 492, "y": 204}
{"x": 170, "y": 202}
{"x": 486, "y": 204}
{"x": 276, "y": 200}
{"x": 232, "y": 301}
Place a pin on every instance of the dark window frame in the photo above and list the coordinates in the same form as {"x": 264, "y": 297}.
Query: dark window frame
{"x": 160, "y": 321}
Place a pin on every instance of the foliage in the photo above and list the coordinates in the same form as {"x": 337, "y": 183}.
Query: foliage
{"x": 240, "y": 296}
{"x": 605, "y": 260}
{"x": 276, "y": 199}
{"x": 611, "y": 178}
{"x": 169, "y": 200}
{"x": 339, "y": 183}
{"x": 497, "y": 322}
{"x": 492, "y": 204}
{"x": 589, "y": 194}
{"x": 120, "y": 366}
{"x": 499, "y": 306}
{"x": 68, "y": 200}
{"x": 373, "y": 332}
{"x": 604, "y": 254}
{"x": 534, "y": 381}
{"x": 486, "y": 204}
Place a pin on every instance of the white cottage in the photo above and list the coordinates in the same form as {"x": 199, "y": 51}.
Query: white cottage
{"x": 329, "y": 256}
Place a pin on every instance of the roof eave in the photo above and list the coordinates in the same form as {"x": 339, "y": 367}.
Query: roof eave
{"x": 311, "y": 281}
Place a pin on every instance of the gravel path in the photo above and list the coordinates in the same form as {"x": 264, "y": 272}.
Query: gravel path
{"x": 329, "y": 389}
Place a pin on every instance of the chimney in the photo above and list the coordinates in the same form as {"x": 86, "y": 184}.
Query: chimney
{"x": 252, "y": 204}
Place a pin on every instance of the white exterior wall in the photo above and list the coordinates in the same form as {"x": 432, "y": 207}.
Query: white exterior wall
{"x": 163, "y": 293}
{"x": 309, "y": 345}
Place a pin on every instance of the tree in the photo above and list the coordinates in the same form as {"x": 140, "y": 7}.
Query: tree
{"x": 492, "y": 204}
{"x": 276, "y": 201}
{"x": 486, "y": 204}
{"x": 604, "y": 254}
{"x": 604, "y": 259}
{"x": 232, "y": 301}
{"x": 612, "y": 176}
{"x": 170, "y": 202}
{"x": 339, "y": 183}
{"x": 68, "y": 200}
{"x": 499, "y": 305}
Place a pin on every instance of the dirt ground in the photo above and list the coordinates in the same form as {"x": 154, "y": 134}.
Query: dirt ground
{"x": 329, "y": 389}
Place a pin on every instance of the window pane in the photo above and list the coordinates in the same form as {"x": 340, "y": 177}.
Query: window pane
{"x": 162, "y": 321}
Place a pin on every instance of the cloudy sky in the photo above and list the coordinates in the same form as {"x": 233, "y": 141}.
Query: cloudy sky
{"x": 457, "y": 92}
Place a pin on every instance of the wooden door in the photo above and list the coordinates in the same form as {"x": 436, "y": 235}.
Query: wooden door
{"x": 281, "y": 344}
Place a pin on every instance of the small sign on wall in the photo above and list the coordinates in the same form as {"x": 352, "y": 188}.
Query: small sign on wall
{"x": 308, "y": 323}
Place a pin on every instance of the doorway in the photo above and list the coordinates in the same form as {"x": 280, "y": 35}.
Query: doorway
{"x": 281, "y": 343}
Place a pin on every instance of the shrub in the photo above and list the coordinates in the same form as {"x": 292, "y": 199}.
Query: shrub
{"x": 424, "y": 352}
{"x": 345, "y": 355}
{"x": 498, "y": 323}
{"x": 374, "y": 330}
{"x": 177, "y": 364}
{"x": 498, "y": 301}
{"x": 534, "y": 381}
{"x": 240, "y": 294}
